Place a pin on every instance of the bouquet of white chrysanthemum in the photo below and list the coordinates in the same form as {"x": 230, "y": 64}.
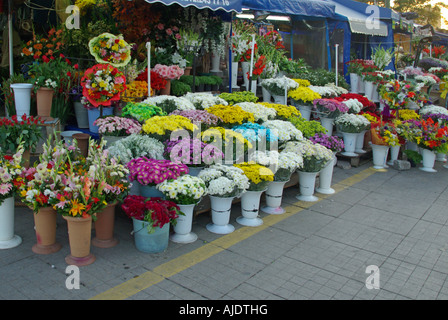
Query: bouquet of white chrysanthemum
{"x": 354, "y": 105}
{"x": 204, "y": 100}
{"x": 277, "y": 86}
{"x": 315, "y": 156}
{"x": 260, "y": 112}
{"x": 184, "y": 190}
{"x": 224, "y": 181}
{"x": 352, "y": 123}
{"x": 283, "y": 164}
{"x": 135, "y": 146}
{"x": 284, "y": 130}
{"x": 170, "y": 103}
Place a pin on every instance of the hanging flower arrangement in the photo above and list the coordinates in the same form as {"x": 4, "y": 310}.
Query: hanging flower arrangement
{"x": 102, "y": 84}
{"x": 108, "y": 48}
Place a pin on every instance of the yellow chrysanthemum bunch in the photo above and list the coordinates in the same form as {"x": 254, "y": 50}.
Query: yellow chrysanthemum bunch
{"x": 256, "y": 173}
{"x": 231, "y": 114}
{"x": 304, "y": 94}
{"x": 135, "y": 90}
{"x": 227, "y": 135}
{"x": 161, "y": 125}
{"x": 302, "y": 82}
{"x": 407, "y": 114}
{"x": 283, "y": 111}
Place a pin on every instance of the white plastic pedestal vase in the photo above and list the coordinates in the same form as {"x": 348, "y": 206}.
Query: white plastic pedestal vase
{"x": 253, "y": 87}
{"x": 360, "y": 142}
{"x": 216, "y": 59}
{"x": 22, "y": 98}
{"x": 8, "y": 239}
{"x": 274, "y": 195}
{"x": 235, "y": 75}
{"x": 82, "y": 118}
{"x": 411, "y": 146}
{"x": 221, "y": 209}
{"x": 307, "y": 182}
{"x": 379, "y": 153}
{"x": 182, "y": 229}
{"x": 375, "y": 94}
{"x": 279, "y": 99}
{"x": 328, "y": 124}
{"x": 266, "y": 94}
{"x": 305, "y": 111}
{"x": 250, "y": 204}
{"x": 245, "y": 70}
{"x": 354, "y": 83}
{"x": 361, "y": 86}
{"x": 429, "y": 158}
{"x": 349, "y": 144}
{"x": 325, "y": 177}
{"x": 368, "y": 85}
{"x": 440, "y": 157}
{"x": 394, "y": 151}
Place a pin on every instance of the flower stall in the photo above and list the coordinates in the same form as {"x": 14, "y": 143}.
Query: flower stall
{"x": 161, "y": 150}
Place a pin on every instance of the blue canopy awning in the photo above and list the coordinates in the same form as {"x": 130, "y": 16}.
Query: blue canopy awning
{"x": 309, "y": 8}
{"x": 214, "y": 5}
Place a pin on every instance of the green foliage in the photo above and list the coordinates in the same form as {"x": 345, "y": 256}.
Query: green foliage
{"x": 239, "y": 96}
{"x": 292, "y": 66}
{"x": 321, "y": 77}
{"x": 179, "y": 88}
{"x": 308, "y": 128}
{"x": 413, "y": 156}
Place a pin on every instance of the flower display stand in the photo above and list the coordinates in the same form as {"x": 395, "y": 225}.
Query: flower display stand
{"x": 8, "y": 239}
{"x": 182, "y": 229}
{"x": 221, "y": 209}
{"x": 429, "y": 158}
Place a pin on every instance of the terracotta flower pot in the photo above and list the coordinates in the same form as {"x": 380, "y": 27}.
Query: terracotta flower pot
{"x": 45, "y": 225}
{"x": 83, "y": 142}
{"x": 104, "y": 228}
{"x": 167, "y": 89}
{"x": 26, "y": 156}
{"x": 44, "y": 99}
{"x": 79, "y": 234}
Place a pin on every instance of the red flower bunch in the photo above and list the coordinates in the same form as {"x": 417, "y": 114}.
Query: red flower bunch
{"x": 275, "y": 38}
{"x": 365, "y": 102}
{"x": 44, "y": 47}
{"x": 246, "y": 56}
{"x": 436, "y": 51}
{"x": 157, "y": 82}
{"x": 155, "y": 210}
{"x": 259, "y": 66}
{"x": 14, "y": 130}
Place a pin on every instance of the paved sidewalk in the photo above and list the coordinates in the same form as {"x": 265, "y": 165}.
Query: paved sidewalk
{"x": 394, "y": 220}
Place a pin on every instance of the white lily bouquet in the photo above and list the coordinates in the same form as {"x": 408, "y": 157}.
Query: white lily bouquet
{"x": 282, "y": 164}
{"x": 184, "y": 190}
{"x": 315, "y": 156}
{"x": 277, "y": 86}
{"x": 352, "y": 123}
{"x": 224, "y": 181}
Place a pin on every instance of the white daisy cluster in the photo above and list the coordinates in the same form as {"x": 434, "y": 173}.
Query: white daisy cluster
{"x": 259, "y": 111}
{"x": 284, "y": 130}
{"x": 224, "y": 181}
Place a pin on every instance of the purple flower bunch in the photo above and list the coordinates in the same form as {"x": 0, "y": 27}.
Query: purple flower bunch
{"x": 330, "y": 107}
{"x": 151, "y": 172}
{"x": 192, "y": 152}
{"x": 435, "y": 117}
{"x": 333, "y": 143}
{"x": 207, "y": 119}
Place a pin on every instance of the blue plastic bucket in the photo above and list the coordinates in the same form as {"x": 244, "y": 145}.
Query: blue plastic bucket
{"x": 150, "y": 242}
{"x": 150, "y": 192}
{"x": 94, "y": 114}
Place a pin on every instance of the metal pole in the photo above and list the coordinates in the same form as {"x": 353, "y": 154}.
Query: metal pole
{"x": 336, "y": 62}
{"x": 10, "y": 40}
{"x": 148, "y": 47}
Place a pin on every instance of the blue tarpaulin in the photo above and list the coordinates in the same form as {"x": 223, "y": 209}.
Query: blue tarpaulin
{"x": 214, "y": 5}
{"x": 308, "y": 8}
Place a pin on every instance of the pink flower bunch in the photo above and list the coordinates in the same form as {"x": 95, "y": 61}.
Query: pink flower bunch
{"x": 117, "y": 126}
{"x": 151, "y": 172}
{"x": 168, "y": 72}
{"x": 193, "y": 152}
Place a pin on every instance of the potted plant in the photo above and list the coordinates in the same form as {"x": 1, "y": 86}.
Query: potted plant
{"x": 223, "y": 183}
{"x": 327, "y": 110}
{"x": 17, "y": 88}
{"x": 336, "y": 145}
{"x": 151, "y": 218}
{"x": 113, "y": 128}
{"x": 135, "y": 146}
{"x": 161, "y": 127}
{"x": 141, "y": 111}
{"x": 168, "y": 73}
{"x": 25, "y": 130}
{"x": 206, "y": 119}
{"x": 384, "y": 138}
{"x": 279, "y": 88}
{"x": 10, "y": 181}
{"x": 113, "y": 176}
{"x": 238, "y": 96}
{"x": 231, "y": 114}
{"x": 315, "y": 158}
{"x": 150, "y": 172}
{"x": 186, "y": 191}
{"x": 350, "y": 125}
{"x": 282, "y": 164}
{"x": 413, "y": 156}
{"x": 260, "y": 112}
{"x": 303, "y": 97}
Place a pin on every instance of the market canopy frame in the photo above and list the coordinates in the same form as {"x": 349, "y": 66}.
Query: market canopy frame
{"x": 214, "y": 5}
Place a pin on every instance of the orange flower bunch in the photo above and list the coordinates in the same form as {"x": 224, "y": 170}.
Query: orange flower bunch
{"x": 41, "y": 46}
{"x": 136, "y": 89}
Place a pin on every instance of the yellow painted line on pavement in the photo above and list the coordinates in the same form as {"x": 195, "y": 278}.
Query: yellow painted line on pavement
{"x": 177, "y": 265}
